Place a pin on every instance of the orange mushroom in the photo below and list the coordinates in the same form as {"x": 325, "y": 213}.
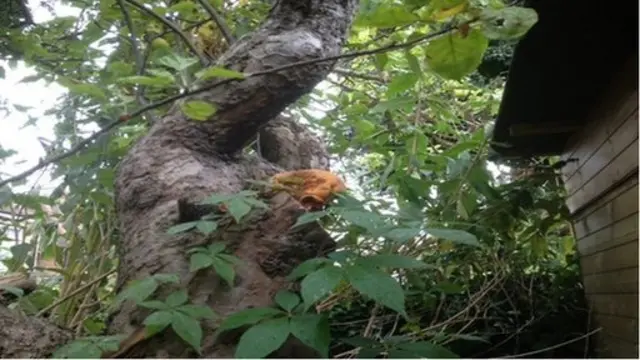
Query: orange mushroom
{"x": 313, "y": 188}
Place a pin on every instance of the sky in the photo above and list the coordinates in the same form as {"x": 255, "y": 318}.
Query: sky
{"x": 40, "y": 97}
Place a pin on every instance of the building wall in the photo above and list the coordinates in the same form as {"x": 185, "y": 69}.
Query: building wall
{"x": 602, "y": 189}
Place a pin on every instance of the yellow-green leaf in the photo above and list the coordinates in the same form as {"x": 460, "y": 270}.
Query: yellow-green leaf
{"x": 219, "y": 72}
{"x": 198, "y": 110}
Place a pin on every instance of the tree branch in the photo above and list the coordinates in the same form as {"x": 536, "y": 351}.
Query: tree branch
{"x": 135, "y": 49}
{"x": 224, "y": 29}
{"x": 349, "y": 73}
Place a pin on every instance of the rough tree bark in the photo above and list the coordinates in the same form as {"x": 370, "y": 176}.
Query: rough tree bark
{"x": 184, "y": 160}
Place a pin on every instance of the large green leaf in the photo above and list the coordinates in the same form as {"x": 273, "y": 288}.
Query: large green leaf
{"x": 455, "y": 55}
{"x": 263, "y": 339}
{"x": 377, "y": 285}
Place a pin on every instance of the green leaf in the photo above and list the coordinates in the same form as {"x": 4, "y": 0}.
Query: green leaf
{"x": 216, "y": 248}
{"x": 108, "y": 343}
{"x": 381, "y": 60}
{"x": 507, "y": 23}
{"x": 263, "y": 339}
{"x": 414, "y": 64}
{"x": 177, "y": 62}
{"x": 138, "y": 291}
{"x": 387, "y": 16}
{"x": 225, "y": 270}
{"x": 249, "y": 316}
{"x": 425, "y": 349}
{"x": 79, "y": 349}
{"x": 199, "y": 261}
{"x": 306, "y": 267}
{"x": 184, "y": 8}
{"x": 287, "y": 300}
{"x": 392, "y": 261}
{"x": 88, "y": 89}
{"x": 207, "y": 227}
{"x": 448, "y": 288}
{"x": 198, "y": 110}
{"x": 238, "y": 209}
{"x": 255, "y": 203}
{"x": 154, "y": 304}
{"x": 320, "y": 283}
{"x": 402, "y": 234}
{"x": 365, "y": 219}
{"x": 230, "y": 259}
{"x": 377, "y": 285}
{"x": 177, "y": 298}
{"x": 219, "y": 72}
{"x": 454, "y": 55}
{"x": 187, "y": 328}
{"x": 157, "y": 321}
{"x": 400, "y": 83}
{"x": 313, "y": 331}
{"x": 167, "y": 278}
{"x": 197, "y": 311}
{"x": 176, "y": 229}
{"x": 309, "y": 217}
{"x": 397, "y": 103}
{"x": 455, "y": 236}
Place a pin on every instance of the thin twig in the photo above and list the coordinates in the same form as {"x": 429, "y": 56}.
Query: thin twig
{"x": 220, "y": 23}
{"x": 587, "y": 335}
{"x": 135, "y": 48}
{"x": 350, "y": 73}
{"x": 369, "y": 328}
{"x": 74, "y": 293}
{"x": 173, "y": 27}
{"x": 208, "y": 87}
{"x": 140, "y": 59}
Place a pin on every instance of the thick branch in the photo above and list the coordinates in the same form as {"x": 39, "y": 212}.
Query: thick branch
{"x": 296, "y": 31}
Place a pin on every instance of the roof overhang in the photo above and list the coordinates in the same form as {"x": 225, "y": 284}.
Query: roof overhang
{"x": 559, "y": 69}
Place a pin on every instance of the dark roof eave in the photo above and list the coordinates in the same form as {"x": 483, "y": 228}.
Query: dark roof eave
{"x": 559, "y": 68}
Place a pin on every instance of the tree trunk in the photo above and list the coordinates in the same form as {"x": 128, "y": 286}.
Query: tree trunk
{"x": 184, "y": 160}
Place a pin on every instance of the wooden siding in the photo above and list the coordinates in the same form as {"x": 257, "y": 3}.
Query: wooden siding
{"x": 602, "y": 195}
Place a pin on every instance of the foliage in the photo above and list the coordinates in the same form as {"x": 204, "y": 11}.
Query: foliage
{"x": 441, "y": 254}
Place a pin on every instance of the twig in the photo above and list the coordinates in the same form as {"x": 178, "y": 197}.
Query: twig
{"x": 75, "y": 292}
{"x": 140, "y": 59}
{"x": 211, "y": 86}
{"x": 369, "y": 328}
{"x": 349, "y": 73}
{"x": 188, "y": 28}
{"x": 134, "y": 48}
{"x": 224, "y": 29}
{"x": 587, "y": 335}
{"x": 173, "y": 27}
{"x": 504, "y": 341}
{"x": 473, "y": 302}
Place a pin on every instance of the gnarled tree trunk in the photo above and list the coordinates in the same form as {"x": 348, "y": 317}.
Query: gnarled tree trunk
{"x": 184, "y": 160}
